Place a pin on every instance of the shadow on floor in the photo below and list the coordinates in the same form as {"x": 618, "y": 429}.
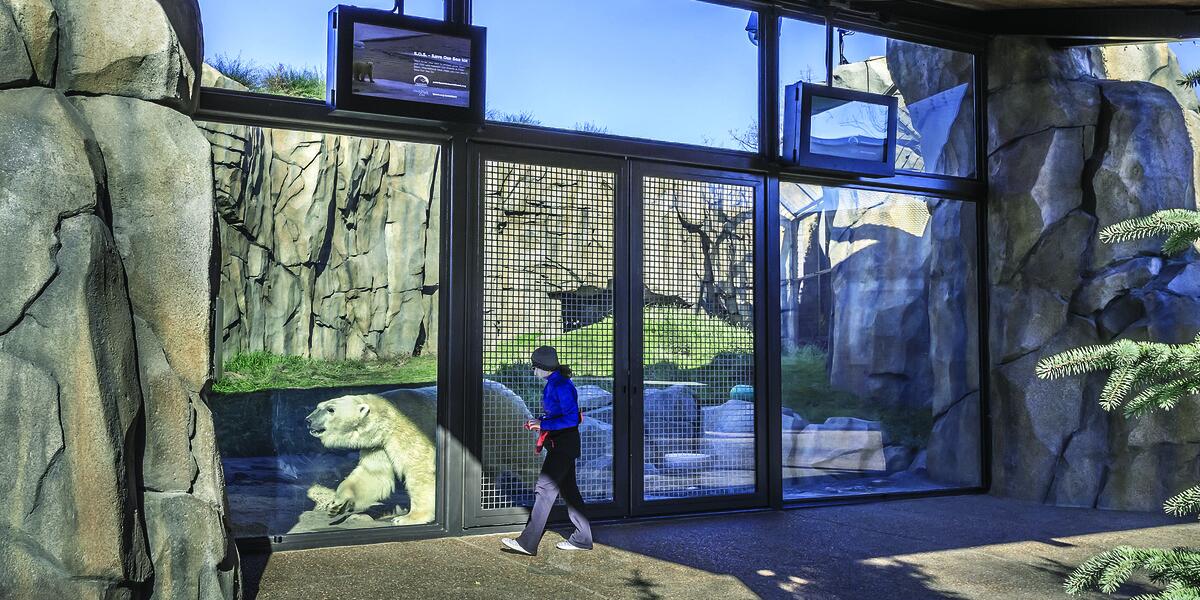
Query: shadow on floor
{"x": 947, "y": 548}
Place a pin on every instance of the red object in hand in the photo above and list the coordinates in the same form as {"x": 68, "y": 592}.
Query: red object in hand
{"x": 541, "y": 441}
{"x": 533, "y": 424}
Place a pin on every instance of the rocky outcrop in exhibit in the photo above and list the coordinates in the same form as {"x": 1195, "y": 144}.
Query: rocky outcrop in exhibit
{"x": 329, "y": 243}
{"x": 1078, "y": 140}
{"x": 113, "y": 482}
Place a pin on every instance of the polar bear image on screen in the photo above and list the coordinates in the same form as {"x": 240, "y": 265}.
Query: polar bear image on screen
{"x": 394, "y": 432}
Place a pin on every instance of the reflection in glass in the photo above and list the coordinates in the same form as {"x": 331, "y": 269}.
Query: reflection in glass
{"x": 935, "y": 88}
{"x": 430, "y": 9}
{"x": 325, "y": 412}
{"x": 672, "y": 70}
{"x": 849, "y": 129}
{"x": 801, "y": 56}
{"x": 698, "y": 339}
{"x": 879, "y": 323}
{"x": 548, "y": 267}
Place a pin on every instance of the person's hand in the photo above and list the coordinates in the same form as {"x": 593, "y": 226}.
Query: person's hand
{"x": 533, "y": 425}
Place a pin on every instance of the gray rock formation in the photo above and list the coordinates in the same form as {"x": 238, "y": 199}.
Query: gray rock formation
{"x": 1070, "y": 153}
{"x": 116, "y": 490}
{"x": 329, "y": 243}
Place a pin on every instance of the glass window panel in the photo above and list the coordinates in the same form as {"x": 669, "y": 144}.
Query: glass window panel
{"x": 801, "y": 56}
{"x": 430, "y": 9}
{"x": 935, "y": 87}
{"x": 548, "y": 272}
{"x": 698, "y": 339}
{"x": 673, "y": 70}
{"x": 879, "y": 322}
{"x": 848, "y": 129}
{"x": 328, "y": 305}
{"x": 1188, "y": 55}
{"x": 271, "y": 46}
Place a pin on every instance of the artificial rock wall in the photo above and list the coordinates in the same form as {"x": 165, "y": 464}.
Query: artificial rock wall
{"x": 113, "y": 486}
{"x": 329, "y": 243}
{"x": 1078, "y": 140}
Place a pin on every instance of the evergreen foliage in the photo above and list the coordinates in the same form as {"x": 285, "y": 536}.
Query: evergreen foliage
{"x": 1191, "y": 79}
{"x": 1143, "y": 377}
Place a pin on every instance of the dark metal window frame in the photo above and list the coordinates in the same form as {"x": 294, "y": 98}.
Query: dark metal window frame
{"x": 460, "y": 299}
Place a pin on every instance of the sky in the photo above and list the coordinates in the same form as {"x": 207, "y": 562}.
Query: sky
{"x": 673, "y": 70}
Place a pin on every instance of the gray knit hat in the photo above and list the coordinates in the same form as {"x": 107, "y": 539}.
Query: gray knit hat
{"x": 545, "y": 358}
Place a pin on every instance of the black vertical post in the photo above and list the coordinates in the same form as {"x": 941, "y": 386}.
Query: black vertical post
{"x": 981, "y": 261}
{"x": 768, "y": 84}
{"x": 828, "y": 50}
{"x": 455, "y": 390}
{"x": 458, "y": 12}
{"x": 768, "y": 346}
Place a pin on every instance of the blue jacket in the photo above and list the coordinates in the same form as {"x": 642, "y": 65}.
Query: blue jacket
{"x": 560, "y": 403}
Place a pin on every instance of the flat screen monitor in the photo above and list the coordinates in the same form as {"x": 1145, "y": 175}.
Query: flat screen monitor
{"x": 834, "y": 129}
{"x": 385, "y": 63}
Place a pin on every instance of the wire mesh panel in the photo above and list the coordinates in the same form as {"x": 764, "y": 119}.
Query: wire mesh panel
{"x": 548, "y": 264}
{"x": 698, "y": 338}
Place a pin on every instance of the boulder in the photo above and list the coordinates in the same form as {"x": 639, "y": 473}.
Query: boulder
{"x": 15, "y": 68}
{"x": 1034, "y": 107}
{"x": 199, "y": 566}
{"x": 592, "y": 397}
{"x": 672, "y": 422}
{"x": 210, "y": 77}
{"x": 1148, "y": 163}
{"x": 102, "y": 50}
{"x": 37, "y": 23}
{"x": 1034, "y": 184}
{"x": 1018, "y": 59}
{"x": 1096, "y": 293}
{"x": 953, "y": 453}
{"x": 927, "y": 77}
{"x": 840, "y": 443}
{"x": 168, "y": 464}
{"x": 40, "y": 133}
{"x": 1154, "y": 63}
{"x": 734, "y": 416}
{"x": 162, "y": 215}
{"x": 79, "y": 335}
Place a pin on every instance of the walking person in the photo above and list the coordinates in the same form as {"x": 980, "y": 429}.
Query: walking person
{"x": 559, "y": 435}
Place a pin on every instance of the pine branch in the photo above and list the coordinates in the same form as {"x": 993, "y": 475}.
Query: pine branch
{"x": 1181, "y": 226}
{"x": 1190, "y": 79}
{"x": 1184, "y": 503}
{"x": 1176, "y": 569}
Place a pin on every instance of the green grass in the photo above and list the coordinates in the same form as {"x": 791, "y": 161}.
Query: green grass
{"x": 807, "y": 390}
{"x": 679, "y": 336}
{"x": 281, "y": 79}
{"x": 255, "y": 371}
{"x": 301, "y": 82}
{"x": 236, "y": 68}
{"x": 680, "y": 345}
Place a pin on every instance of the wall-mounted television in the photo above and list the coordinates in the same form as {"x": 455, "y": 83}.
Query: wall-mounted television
{"x": 390, "y": 64}
{"x": 835, "y": 129}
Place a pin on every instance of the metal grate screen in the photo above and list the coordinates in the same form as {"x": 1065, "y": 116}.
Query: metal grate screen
{"x": 548, "y": 271}
{"x": 698, "y": 338}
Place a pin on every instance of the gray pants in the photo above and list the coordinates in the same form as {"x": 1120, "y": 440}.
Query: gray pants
{"x": 557, "y": 478}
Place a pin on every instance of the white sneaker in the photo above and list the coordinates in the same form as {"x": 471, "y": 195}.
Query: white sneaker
{"x": 566, "y": 545}
{"x": 515, "y": 546}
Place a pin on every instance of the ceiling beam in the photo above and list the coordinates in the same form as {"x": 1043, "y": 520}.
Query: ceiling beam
{"x": 1097, "y": 25}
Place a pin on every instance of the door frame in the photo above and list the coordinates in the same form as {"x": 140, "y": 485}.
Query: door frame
{"x": 473, "y": 513}
{"x": 759, "y": 498}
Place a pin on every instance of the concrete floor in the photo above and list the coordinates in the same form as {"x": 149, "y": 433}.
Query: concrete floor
{"x": 951, "y": 547}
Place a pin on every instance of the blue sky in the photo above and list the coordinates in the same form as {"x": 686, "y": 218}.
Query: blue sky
{"x": 675, "y": 70}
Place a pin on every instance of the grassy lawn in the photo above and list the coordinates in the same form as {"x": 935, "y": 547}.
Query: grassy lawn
{"x": 254, "y": 371}
{"x": 806, "y": 389}
{"x": 680, "y": 337}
